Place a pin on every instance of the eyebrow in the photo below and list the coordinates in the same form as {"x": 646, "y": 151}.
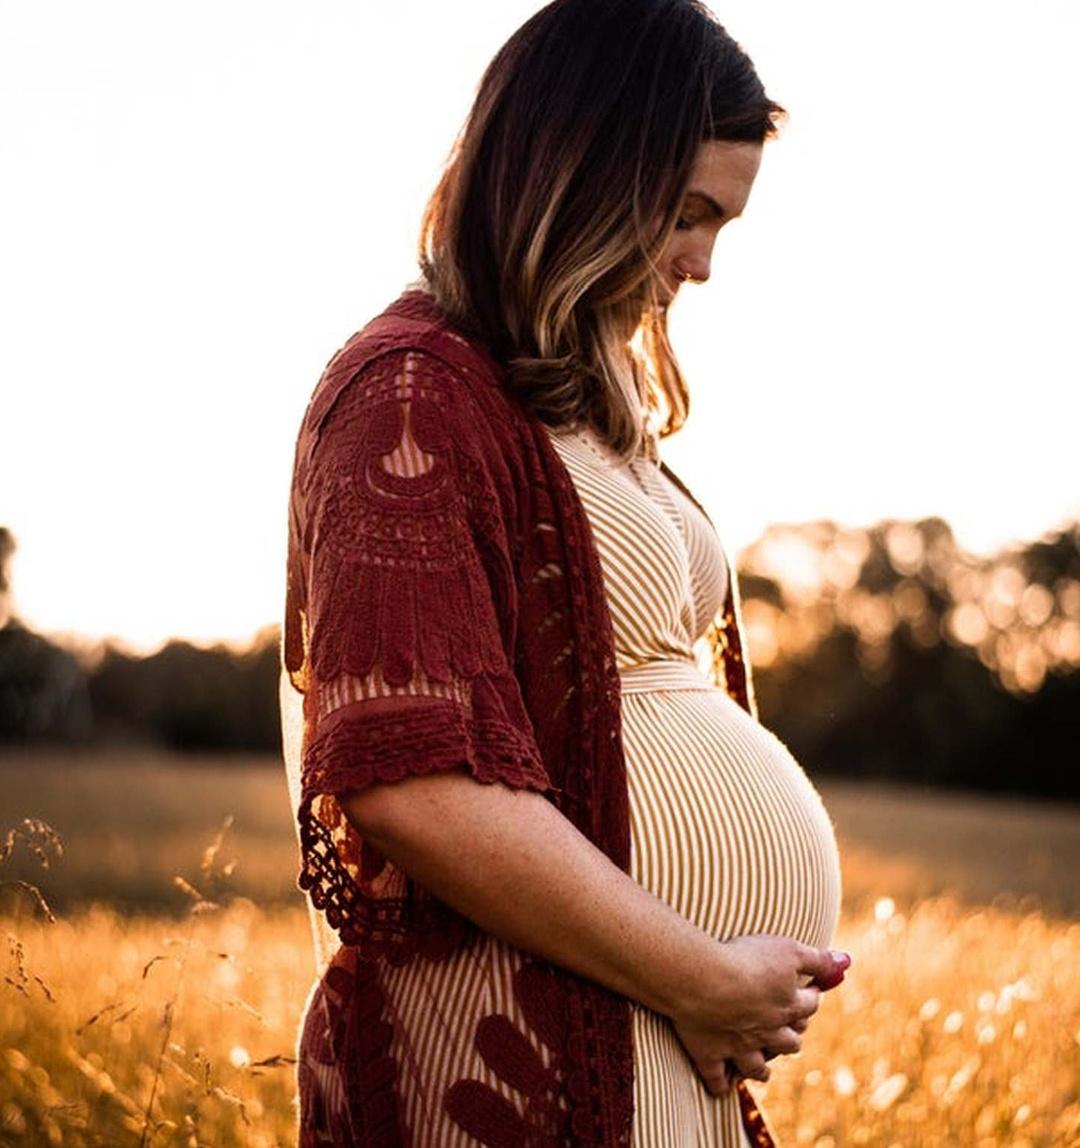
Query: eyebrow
{"x": 711, "y": 203}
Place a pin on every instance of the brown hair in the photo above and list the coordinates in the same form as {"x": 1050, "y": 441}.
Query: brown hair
{"x": 541, "y": 237}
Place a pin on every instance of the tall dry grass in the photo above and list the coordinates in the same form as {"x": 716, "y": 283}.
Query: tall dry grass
{"x": 959, "y": 1024}
{"x": 954, "y": 1028}
{"x": 147, "y": 1031}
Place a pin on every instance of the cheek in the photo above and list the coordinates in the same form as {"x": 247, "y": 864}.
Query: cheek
{"x": 678, "y": 247}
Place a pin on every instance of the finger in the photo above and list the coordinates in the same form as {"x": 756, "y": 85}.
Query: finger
{"x": 752, "y": 1065}
{"x": 826, "y": 967}
{"x": 718, "y": 1083}
{"x": 822, "y": 963}
{"x": 806, "y": 1003}
{"x": 784, "y": 1041}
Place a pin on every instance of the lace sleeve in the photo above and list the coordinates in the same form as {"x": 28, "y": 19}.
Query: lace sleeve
{"x": 406, "y": 608}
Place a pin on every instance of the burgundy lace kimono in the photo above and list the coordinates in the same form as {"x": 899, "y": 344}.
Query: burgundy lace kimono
{"x": 446, "y": 610}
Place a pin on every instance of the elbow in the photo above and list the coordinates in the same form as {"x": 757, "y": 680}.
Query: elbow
{"x": 371, "y": 811}
{"x": 391, "y": 811}
{"x": 417, "y": 809}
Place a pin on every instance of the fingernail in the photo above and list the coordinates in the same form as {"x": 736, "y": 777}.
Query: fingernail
{"x": 831, "y": 981}
{"x": 841, "y": 958}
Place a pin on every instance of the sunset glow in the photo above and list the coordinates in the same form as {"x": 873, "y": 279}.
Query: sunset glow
{"x": 200, "y": 208}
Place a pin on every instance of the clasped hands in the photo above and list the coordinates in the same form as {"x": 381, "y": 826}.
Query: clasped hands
{"x": 759, "y": 1010}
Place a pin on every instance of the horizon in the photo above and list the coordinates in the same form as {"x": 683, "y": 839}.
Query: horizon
{"x": 88, "y": 648}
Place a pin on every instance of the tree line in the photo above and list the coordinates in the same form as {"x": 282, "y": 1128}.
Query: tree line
{"x": 884, "y": 653}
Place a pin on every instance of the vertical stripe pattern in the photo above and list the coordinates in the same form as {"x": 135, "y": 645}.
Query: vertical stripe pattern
{"x": 725, "y": 826}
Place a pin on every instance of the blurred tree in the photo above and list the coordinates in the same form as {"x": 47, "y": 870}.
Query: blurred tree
{"x": 43, "y": 693}
{"x": 191, "y": 698}
{"x": 916, "y": 662}
{"x": 885, "y": 652}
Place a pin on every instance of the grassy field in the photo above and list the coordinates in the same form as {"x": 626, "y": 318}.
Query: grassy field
{"x": 172, "y": 1022}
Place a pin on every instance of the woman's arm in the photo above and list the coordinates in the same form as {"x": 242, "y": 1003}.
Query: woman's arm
{"x": 511, "y": 862}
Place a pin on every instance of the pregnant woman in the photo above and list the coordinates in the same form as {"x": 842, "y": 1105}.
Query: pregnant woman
{"x": 568, "y": 890}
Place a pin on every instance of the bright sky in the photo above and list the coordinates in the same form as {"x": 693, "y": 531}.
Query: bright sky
{"x": 200, "y": 202}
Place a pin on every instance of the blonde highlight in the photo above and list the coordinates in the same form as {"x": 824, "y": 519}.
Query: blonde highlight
{"x": 543, "y": 235}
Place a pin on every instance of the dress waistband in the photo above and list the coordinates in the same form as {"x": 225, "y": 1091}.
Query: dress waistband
{"x": 672, "y": 674}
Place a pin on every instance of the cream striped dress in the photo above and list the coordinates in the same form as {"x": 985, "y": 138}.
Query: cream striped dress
{"x": 725, "y": 826}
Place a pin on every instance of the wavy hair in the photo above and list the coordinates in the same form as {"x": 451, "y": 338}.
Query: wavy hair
{"x": 541, "y": 238}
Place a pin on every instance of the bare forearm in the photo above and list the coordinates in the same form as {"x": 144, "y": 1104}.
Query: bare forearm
{"x": 509, "y": 861}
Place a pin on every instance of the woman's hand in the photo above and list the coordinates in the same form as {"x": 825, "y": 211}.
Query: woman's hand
{"x": 754, "y": 1006}
{"x": 754, "y": 1065}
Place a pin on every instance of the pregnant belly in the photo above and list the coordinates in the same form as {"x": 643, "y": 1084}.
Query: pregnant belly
{"x": 725, "y": 825}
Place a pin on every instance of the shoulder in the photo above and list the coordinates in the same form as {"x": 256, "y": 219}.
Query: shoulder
{"x": 411, "y": 395}
{"x": 410, "y": 348}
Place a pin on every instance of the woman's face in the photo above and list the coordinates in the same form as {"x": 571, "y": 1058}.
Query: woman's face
{"x": 720, "y": 181}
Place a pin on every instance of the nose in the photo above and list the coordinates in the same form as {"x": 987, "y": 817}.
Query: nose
{"x": 693, "y": 266}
